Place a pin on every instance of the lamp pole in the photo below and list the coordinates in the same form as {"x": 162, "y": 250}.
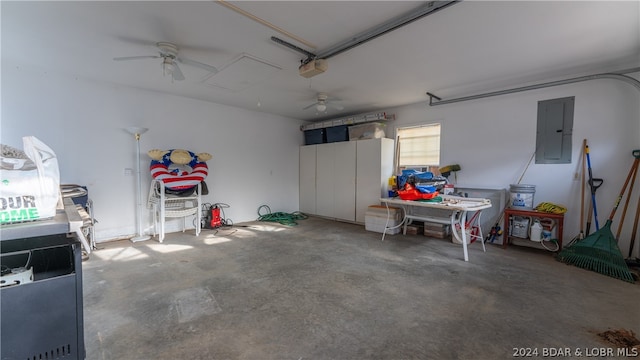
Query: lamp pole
{"x": 137, "y": 131}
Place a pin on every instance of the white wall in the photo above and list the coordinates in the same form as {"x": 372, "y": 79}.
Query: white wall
{"x": 492, "y": 139}
{"x": 255, "y": 155}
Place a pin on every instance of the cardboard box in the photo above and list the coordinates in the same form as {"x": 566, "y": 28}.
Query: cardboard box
{"x": 440, "y": 231}
{"x": 436, "y": 226}
{"x": 381, "y": 210}
{"x": 377, "y": 224}
{"x": 375, "y": 219}
{"x": 436, "y": 234}
{"x": 415, "y": 229}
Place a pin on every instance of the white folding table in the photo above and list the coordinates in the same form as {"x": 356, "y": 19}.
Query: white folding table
{"x": 458, "y": 206}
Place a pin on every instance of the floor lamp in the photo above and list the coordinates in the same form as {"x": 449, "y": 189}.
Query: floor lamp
{"x": 137, "y": 131}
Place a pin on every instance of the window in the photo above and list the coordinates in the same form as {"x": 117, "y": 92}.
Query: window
{"x": 418, "y": 147}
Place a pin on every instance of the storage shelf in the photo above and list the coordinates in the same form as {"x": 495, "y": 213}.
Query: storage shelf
{"x": 514, "y": 240}
{"x": 351, "y": 120}
{"x": 509, "y": 212}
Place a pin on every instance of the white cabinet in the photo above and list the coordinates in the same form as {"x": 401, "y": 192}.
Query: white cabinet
{"x": 308, "y": 179}
{"x": 336, "y": 180}
{"x": 340, "y": 180}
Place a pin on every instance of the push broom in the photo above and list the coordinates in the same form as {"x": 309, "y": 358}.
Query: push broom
{"x": 599, "y": 251}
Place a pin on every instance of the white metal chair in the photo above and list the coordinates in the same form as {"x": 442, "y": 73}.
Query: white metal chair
{"x": 165, "y": 205}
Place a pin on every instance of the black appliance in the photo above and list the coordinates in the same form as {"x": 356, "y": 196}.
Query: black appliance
{"x": 41, "y": 309}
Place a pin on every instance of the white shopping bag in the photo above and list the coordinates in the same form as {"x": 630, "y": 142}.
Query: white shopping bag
{"x": 30, "y": 182}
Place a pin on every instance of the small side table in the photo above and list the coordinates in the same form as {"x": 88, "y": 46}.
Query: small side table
{"x": 508, "y": 212}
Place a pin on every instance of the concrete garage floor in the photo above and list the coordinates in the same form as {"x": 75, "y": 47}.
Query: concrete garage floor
{"x": 331, "y": 290}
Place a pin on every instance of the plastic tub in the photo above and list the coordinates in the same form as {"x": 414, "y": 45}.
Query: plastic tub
{"x": 522, "y": 196}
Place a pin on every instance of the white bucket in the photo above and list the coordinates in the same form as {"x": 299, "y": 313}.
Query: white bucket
{"x": 522, "y": 196}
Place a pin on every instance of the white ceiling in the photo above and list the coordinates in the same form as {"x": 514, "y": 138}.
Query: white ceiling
{"x": 466, "y": 48}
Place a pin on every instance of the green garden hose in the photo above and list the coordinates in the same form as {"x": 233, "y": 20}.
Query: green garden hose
{"x": 283, "y": 218}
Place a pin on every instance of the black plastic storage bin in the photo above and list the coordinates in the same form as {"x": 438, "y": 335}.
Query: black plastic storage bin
{"x": 337, "y": 133}
{"x": 315, "y": 136}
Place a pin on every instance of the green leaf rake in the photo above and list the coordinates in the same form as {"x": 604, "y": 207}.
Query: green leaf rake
{"x": 599, "y": 251}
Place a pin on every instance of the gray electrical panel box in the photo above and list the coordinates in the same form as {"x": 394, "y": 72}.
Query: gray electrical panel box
{"x": 554, "y": 131}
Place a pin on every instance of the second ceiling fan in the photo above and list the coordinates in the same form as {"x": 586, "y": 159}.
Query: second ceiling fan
{"x": 323, "y": 102}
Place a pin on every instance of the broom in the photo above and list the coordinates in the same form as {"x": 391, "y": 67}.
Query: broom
{"x": 580, "y": 235}
{"x": 599, "y": 251}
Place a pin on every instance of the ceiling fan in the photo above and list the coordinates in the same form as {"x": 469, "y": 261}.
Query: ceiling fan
{"x": 322, "y": 102}
{"x": 168, "y": 52}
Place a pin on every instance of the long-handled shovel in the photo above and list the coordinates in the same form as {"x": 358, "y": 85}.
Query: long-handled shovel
{"x": 594, "y": 184}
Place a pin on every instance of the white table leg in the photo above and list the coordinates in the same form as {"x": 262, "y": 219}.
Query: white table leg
{"x": 463, "y": 216}
{"x": 386, "y": 225}
{"x": 402, "y": 223}
{"x": 463, "y": 233}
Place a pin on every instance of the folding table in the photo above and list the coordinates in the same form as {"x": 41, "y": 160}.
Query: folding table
{"x": 458, "y": 206}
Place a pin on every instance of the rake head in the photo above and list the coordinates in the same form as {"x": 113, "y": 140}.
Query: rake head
{"x": 598, "y": 252}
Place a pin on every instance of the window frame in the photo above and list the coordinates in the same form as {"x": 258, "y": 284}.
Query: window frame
{"x": 423, "y": 167}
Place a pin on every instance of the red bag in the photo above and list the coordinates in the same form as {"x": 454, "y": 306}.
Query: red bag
{"x": 411, "y": 193}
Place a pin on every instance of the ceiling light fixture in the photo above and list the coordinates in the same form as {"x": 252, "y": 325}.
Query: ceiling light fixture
{"x": 321, "y": 106}
{"x": 167, "y": 67}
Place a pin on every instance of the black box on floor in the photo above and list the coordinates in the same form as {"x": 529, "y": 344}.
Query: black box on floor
{"x": 337, "y": 133}
{"x": 315, "y": 136}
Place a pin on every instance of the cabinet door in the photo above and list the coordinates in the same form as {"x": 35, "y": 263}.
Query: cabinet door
{"x": 344, "y": 195}
{"x": 374, "y": 166}
{"x": 335, "y": 180}
{"x": 307, "y": 179}
{"x": 325, "y": 169}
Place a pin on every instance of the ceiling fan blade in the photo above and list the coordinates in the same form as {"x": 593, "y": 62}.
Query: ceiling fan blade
{"x": 309, "y": 106}
{"x": 337, "y": 107}
{"x": 136, "y": 57}
{"x": 177, "y": 73}
{"x": 197, "y": 64}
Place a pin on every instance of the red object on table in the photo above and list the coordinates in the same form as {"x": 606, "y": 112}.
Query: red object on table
{"x": 411, "y": 193}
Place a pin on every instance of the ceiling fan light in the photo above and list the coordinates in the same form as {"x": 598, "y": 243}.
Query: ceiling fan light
{"x": 321, "y": 107}
{"x": 167, "y": 67}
